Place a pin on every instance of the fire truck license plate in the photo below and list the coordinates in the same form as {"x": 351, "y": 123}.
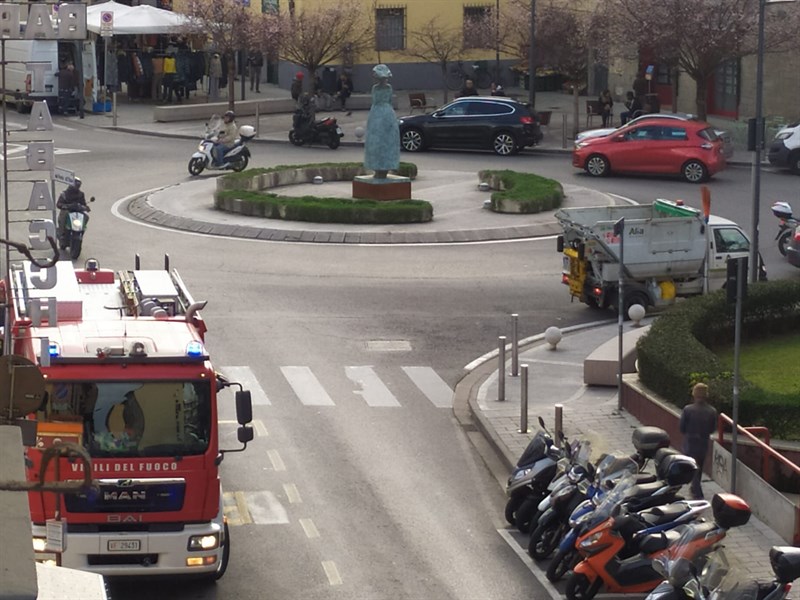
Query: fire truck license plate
{"x": 124, "y": 545}
{"x": 566, "y": 264}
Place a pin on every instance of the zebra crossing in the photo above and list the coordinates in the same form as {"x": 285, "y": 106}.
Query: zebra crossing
{"x": 376, "y": 390}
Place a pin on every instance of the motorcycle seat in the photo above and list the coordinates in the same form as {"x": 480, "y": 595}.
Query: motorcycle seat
{"x": 645, "y": 478}
{"x": 655, "y": 542}
{"x": 663, "y": 514}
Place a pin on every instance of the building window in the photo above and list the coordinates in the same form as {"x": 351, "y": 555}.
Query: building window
{"x": 478, "y": 27}
{"x": 270, "y": 6}
{"x": 390, "y": 28}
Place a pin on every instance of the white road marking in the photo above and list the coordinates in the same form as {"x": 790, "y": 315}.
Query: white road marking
{"x": 430, "y": 384}
{"x": 332, "y": 572}
{"x": 247, "y": 378}
{"x": 261, "y": 429}
{"x": 306, "y": 386}
{"x": 292, "y": 493}
{"x": 373, "y": 390}
{"x": 276, "y": 460}
{"x": 310, "y": 529}
{"x": 523, "y": 555}
{"x": 265, "y": 509}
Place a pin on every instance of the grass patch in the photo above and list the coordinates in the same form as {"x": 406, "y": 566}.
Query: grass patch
{"x": 522, "y": 192}
{"x": 767, "y": 363}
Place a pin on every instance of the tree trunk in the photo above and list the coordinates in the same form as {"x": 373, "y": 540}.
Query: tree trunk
{"x": 674, "y": 79}
{"x": 231, "y": 80}
{"x": 444, "y": 81}
{"x": 700, "y": 97}
{"x": 576, "y": 109}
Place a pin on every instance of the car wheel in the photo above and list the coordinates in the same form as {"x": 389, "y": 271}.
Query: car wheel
{"x": 597, "y": 166}
{"x": 504, "y": 143}
{"x": 411, "y": 140}
{"x": 694, "y": 171}
{"x": 794, "y": 163}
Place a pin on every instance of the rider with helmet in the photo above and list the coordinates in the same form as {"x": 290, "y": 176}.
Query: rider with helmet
{"x": 226, "y": 136}
{"x": 70, "y": 200}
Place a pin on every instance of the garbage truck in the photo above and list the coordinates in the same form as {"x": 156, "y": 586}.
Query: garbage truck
{"x": 670, "y": 251}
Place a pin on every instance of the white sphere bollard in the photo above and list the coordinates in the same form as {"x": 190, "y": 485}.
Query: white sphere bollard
{"x": 552, "y": 335}
{"x": 318, "y": 179}
{"x": 636, "y": 312}
{"x": 483, "y": 186}
{"x": 359, "y": 132}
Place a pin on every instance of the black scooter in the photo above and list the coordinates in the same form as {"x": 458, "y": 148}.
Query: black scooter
{"x": 305, "y": 130}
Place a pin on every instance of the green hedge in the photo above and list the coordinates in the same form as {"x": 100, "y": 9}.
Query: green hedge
{"x": 332, "y": 210}
{"x": 528, "y": 192}
{"x": 676, "y": 352}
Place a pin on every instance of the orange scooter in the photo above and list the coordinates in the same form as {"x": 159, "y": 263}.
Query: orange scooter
{"x": 622, "y": 559}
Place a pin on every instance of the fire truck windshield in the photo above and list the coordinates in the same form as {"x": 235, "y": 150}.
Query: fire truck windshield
{"x": 134, "y": 418}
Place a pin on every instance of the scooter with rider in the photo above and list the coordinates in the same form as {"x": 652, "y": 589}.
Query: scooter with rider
{"x": 73, "y": 218}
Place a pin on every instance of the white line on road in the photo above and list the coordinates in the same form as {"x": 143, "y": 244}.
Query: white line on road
{"x": 276, "y": 460}
{"x": 430, "y": 384}
{"x": 292, "y": 493}
{"x": 526, "y": 559}
{"x": 247, "y": 378}
{"x": 332, "y": 572}
{"x": 261, "y": 429}
{"x": 309, "y": 528}
{"x": 373, "y": 390}
{"x": 306, "y": 386}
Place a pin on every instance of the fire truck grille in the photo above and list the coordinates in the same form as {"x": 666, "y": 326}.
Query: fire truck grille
{"x": 129, "y": 495}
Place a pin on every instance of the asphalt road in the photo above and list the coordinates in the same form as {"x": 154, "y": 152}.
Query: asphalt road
{"x": 360, "y": 483}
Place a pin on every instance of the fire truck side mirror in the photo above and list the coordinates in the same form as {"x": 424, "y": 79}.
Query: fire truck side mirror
{"x": 245, "y": 434}
{"x": 244, "y": 407}
{"x": 560, "y": 244}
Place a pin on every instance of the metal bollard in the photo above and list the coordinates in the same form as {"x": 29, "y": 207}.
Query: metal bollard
{"x": 523, "y": 400}
{"x": 559, "y": 422}
{"x": 258, "y": 120}
{"x": 514, "y": 345}
{"x": 564, "y": 130}
{"x": 501, "y": 368}
{"x": 113, "y": 108}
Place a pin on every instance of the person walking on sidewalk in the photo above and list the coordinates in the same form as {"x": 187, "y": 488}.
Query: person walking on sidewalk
{"x": 255, "y": 61}
{"x": 698, "y": 422}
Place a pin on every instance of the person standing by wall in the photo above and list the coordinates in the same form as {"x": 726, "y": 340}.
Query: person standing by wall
{"x": 297, "y": 86}
{"x": 344, "y": 87}
{"x": 255, "y": 61}
{"x": 606, "y": 106}
{"x": 214, "y": 75}
{"x": 698, "y": 421}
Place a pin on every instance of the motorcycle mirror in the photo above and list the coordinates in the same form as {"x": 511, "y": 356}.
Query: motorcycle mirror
{"x": 541, "y": 423}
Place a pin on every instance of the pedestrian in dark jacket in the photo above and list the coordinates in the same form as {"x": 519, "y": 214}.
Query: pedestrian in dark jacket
{"x": 698, "y": 422}
{"x": 297, "y": 86}
{"x": 468, "y": 89}
{"x": 344, "y": 87}
{"x": 255, "y": 61}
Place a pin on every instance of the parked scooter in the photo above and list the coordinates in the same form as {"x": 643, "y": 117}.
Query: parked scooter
{"x": 788, "y": 223}
{"x": 718, "y": 581}
{"x": 527, "y": 485}
{"x": 611, "y": 550}
{"x": 680, "y": 563}
{"x": 306, "y": 131}
{"x": 71, "y": 237}
{"x": 236, "y": 158}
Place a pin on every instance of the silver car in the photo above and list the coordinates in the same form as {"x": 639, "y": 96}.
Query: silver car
{"x": 727, "y": 143}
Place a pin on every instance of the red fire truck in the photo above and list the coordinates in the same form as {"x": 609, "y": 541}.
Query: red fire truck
{"x": 127, "y": 377}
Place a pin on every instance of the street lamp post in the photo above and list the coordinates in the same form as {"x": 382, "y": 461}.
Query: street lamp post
{"x": 531, "y": 61}
{"x": 759, "y": 141}
{"x": 497, "y": 41}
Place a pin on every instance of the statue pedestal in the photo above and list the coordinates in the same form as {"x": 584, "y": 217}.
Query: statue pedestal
{"x": 393, "y": 187}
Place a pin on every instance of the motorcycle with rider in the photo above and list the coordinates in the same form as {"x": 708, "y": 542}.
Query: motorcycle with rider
{"x": 73, "y": 218}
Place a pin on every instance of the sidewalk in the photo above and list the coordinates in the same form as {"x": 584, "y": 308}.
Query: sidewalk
{"x": 556, "y": 376}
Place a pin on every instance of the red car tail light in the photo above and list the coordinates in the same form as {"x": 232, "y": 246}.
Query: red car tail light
{"x": 527, "y": 120}
{"x": 797, "y": 235}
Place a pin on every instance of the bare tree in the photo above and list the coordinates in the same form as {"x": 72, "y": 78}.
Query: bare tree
{"x": 435, "y": 43}
{"x": 699, "y": 35}
{"x": 228, "y": 27}
{"x": 320, "y": 34}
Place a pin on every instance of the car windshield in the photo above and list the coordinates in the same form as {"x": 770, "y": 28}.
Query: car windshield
{"x": 132, "y": 418}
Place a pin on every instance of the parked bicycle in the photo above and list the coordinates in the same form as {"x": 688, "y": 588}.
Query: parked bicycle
{"x": 458, "y": 75}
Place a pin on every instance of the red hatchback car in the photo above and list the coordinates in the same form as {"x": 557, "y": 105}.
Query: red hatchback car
{"x": 690, "y": 149}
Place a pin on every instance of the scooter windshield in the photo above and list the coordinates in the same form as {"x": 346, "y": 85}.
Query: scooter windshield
{"x": 613, "y": 498}
{"x": 613, "y": 469}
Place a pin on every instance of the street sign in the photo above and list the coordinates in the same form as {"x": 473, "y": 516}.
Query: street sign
{"x": 107, "y": 23}
{"x": 64, "y": 175}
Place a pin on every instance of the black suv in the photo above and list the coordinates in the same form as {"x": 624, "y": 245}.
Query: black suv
{"x": 502, "y": 124}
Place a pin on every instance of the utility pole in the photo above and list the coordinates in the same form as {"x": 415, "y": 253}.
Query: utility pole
{"x": 531, "y": 59}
